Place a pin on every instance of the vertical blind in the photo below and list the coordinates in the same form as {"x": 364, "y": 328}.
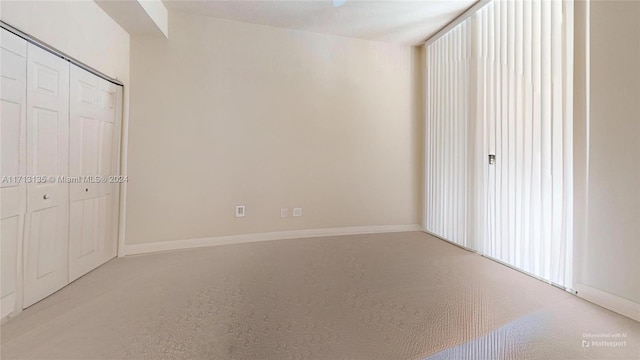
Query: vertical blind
{"x": 447, "y": 151}
{"x": 500, "y": 83}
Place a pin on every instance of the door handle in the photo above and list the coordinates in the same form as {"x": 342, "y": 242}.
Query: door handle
{"x": 492, "y": 159}
{"x": 46, "y": 197}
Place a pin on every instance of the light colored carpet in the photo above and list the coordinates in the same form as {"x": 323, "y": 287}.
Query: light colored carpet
{"x": 383, "y": 296}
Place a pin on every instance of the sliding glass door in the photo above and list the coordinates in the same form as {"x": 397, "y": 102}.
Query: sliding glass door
{"x": 506, "y": 131}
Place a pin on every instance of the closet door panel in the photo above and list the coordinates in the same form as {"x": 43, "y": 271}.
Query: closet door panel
{"x": 84, "y": 135}
{"x": 84, "y": 251}
{"x": 108, "y": 167}
{"x": 47, "y": 220}
{"x": 107, "y": 227}
{"x": 109, "y": 131}
{"x": 11, "y": 232}
{"x": 13, "y": 65}
{"x": 93, "y": 152}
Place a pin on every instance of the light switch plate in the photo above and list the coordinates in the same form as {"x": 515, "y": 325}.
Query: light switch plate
{"x": 297, "y": 212}
{"x": 284, "y": 212}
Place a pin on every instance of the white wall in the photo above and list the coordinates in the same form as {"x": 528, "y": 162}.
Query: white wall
{"x": 607, "y": 130}
{"x": 226, "y": 113}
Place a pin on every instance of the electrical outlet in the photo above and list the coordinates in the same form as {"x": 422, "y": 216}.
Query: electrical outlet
{"x": 284, "y": 212}
{"x": 297, "y": 212}
{"x": 240, "y": 211}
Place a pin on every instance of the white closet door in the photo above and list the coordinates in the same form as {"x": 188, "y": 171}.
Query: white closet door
{"x": 47, "y": 222}
{"x": 13, "y": 65}
{"x": 109, "y": 102}
{"x": 93, "y": 158}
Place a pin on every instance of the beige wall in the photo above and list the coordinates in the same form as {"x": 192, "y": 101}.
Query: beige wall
{"x": 226, "y": 113}
{"x": 607, "y": 133}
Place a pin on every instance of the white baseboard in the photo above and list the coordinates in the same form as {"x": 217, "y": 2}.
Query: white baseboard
{"x": 609, "y": 301}
{"x": 136, "y": 249}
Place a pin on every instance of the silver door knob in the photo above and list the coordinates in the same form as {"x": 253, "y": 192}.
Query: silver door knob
{"x": 45, "y": 196}
{"x": 492, "y": 159}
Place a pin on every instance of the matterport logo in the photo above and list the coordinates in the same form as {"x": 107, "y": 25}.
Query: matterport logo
{"x": 590, "y": 340}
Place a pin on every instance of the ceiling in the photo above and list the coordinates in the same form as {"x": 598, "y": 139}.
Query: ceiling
{"x": 400, "y": 21}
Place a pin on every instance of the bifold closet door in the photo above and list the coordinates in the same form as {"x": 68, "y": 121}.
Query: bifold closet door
{"x": 13, "y": 192}
{"x": 47, "y": 221}
{"x": 93, "y": 158}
